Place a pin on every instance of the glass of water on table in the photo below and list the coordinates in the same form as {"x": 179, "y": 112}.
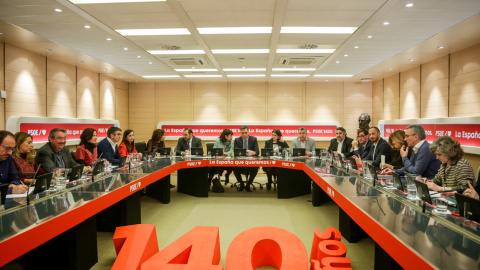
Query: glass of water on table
{"x": 411, "y": 187}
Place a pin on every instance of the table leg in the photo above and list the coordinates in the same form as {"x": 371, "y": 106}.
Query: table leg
{"x": 349, "y": 229}
{"x": 160, "y": 189}
{"x": 383, "y": 261}
{"x": 123, "y": 213}
{"x": 193, "y": 181}
{"x": 292, "y": 183}
{"x": 318, "y": 195}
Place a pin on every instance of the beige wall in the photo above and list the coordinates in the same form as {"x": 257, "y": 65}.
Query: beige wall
{"x": 38, "y": 86}
{"x": 445, "y": 87}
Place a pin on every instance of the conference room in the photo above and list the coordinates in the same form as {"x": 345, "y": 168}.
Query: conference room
{"x": 214, "y": 65}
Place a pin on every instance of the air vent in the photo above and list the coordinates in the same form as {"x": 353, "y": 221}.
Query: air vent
{"x": 298, "y": 60}
{"x": 187, "y": 61}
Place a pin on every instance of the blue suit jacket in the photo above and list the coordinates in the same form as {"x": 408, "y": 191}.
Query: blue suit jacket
{"x": 423, "y": 163}
{"x": 105, "y": 148}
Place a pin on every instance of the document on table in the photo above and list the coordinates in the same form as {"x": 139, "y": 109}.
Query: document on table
{"x": 30, "y": 190}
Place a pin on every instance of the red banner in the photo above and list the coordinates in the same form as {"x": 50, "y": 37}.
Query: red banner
{"x": 288, "y": 131}
{"x": 39, "y": 131}
{"x": 465, "y": 134}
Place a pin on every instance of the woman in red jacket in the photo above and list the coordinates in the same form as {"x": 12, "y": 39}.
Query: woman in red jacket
{"x": 87, "y": 151}
{"x": 127, "y": 146}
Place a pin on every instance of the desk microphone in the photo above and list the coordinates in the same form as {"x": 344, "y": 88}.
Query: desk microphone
{"x": 28, "y": 190}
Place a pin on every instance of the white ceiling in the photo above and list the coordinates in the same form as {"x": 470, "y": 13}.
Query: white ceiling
{"x": 413, "y": 33}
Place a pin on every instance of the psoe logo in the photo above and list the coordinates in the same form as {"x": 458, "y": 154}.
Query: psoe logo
{"x": 135, "y": 186}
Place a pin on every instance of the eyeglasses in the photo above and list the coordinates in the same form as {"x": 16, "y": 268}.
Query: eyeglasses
{"x": 8, "y": 149}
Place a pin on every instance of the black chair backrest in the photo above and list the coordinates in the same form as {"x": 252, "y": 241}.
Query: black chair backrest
{"x": 209, "y": 146}
{"x": 140, "y": 146}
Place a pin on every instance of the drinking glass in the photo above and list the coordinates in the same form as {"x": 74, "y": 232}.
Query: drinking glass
{"x": 411, "y": 188}
{"x": 389, "y": 183}
{"x": 442, "y": 205}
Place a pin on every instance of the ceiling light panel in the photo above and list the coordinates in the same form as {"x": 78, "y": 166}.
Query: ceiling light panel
{"x": 154, "y": 32}
{"x": 234, "y": 30}
{"x": 203, "y": 76}
{"x": 79, "y": 2}
{"x": 160, "y": 76}
{"x": 176, "y": 52}
{"x": 240, "y": 51}
{"x": 246, "y": 75}
{"x": 317, "y": 30}
{"x": 244, "y": 69}
{"x": 305, "y": 51}
{"x": 195, "y": 69}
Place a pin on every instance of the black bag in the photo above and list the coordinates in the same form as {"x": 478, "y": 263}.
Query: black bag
{"x": 217, "y": 186}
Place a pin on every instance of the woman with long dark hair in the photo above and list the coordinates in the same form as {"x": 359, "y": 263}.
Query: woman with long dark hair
{"x": 157, "y": 141}
{"x": 277, "y": 144}
{"x": 87, "y": 151}
{"x": 24, "y": 157}
{"x": 128, "y": 143}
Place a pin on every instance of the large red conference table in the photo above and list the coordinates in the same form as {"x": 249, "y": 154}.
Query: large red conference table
{"x": 413, "y": 239}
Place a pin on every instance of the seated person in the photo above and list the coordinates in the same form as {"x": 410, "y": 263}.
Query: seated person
{"x": 127, "y": 146}
{"x": 108, "y": 147}
{"x": 341, "y": 144}
{"x": 471, "y": 191}
{"x": 87, "y": 151}
{"x": 224, "y": 141}
{"x": 303, "y": 142}
{"x": 278, "y": 144}
{"x": 157, "y": 141}
{"x": 54, "y": 154}
{"x": 24, "y": 157}
{"x": 379, "y": 148}
{"x": 186, "y": 143}
{"x": 250, "y": 143}
{"x": 421, "y": 162}
{"x": 362, "y": 145}
{"x": 7, "y": 169}
{"x": 455, "y": 171}
{"x": 397, "y": 142}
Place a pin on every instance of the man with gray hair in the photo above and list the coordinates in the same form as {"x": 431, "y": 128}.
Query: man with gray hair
{"x": 421, "y": 162}
{"x": 54, "y": 154}
{"x": 303, "y": 142}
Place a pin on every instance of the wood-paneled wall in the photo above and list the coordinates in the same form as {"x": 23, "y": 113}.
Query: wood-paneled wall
{"x": 377, "y": 103}
{"x": 39, "y": 86}
{"x": 445, "y": 87}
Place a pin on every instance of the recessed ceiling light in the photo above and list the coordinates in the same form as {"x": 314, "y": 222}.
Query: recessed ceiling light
{"x": 293, "y": 69}
{"x": 200, "y": 69}
{"x": 305, "y": 50}
{"x": 245, "y": 75}
{"x": 154, "y": 32}
{"x": 150, "y": 63}
{"x": 234, "y": 30}
{"x": 244, "y": 69}
{"x": 58, "y": 10}
{"x": 125, "y": 49}
{"x": 356, "y": 47}
{"x": 49, "y": 50}
{"x": 337, "y": 61}
{"x": 139, "y": 56}
{"x": 1, "y": 33}
{"x": 160, "y": 76}
{"x": 333, "y": 75}
{"x": 87, "y": 26}
{"x": 440, "y": 47}
{"x": 81, "y": 61}
{"x": 105, "y": 69}
{"x": 176, "y": 52}
{"x": 111, "y": 1}
{"x": 326, "y": 80}
{"x": 109, "y": 39}
{"x": 234, "y": 51}
{"x": 389, "y": 68}
{"x": 386, "y": 23}
{"x": 346, "y": 55}
{"x": 369, "y": 36}
{"x": 290, "y": 75}
{"x": 318, "y": 30}
{"x": 409, "y": 5}
{"x": 203, "y": 76}
{"x": 411, "y": 59}
{"x": 121, "y": 76}
{"x": 366, "y": 80}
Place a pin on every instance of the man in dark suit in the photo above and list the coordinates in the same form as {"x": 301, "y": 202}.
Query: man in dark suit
{"x": 341, "y": 144}
{"x": 379, "y": 148}
{"x": 186, "y": 143}
{"x": 54, "y": 154}
{"x": 421, "y": 162}
{"x": 250, "y": 143}
{"x": 361, "y": 147}
{"x": 108, "y": 147}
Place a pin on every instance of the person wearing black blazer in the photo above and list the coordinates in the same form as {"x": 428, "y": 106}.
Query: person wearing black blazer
{"x": 54, "y": 154}
{"x": 277, "y": 144}
{"x": 108, "y": 147}
{"x": 361, "y": 147}
{"x": 186, "y": 143}
{"x": 341, "y": 137}
{"x": 250, "y": 143}
{"x": 380, "y": 147}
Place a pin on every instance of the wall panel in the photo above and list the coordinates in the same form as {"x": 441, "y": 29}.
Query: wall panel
{"x": 410, "y": 94}
{"x": 377, "y": 102}
{"x": 357, "y": 100}
{"x": 107, "y": 97}
{"x": 210, "y": 101}
{"x": 391, "y": 97}
{"x": 323, "y": 102}
{"x": 25, "y": 83}
{"x": 2, "y": 85}
{"x": 121, "y": 103}
{"x": 61, "y": 89}
{"x": 285, "y": 101}
{"x": 88, "y": 96}
{"x": 434, "y": 88}
{"x": 248, "y": 101}
{"x": 141, "y": 100}
{"x": 173, "y": 101}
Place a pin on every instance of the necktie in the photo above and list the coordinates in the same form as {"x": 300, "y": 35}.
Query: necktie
{"x": 374, "y": 149}
{"x": 245, "y": 144}
{"x": 188, "y": 145}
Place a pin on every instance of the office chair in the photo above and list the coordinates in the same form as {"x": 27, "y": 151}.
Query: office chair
{"x": 141, "y": 147}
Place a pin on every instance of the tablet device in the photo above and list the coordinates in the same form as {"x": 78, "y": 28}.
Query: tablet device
{"x": 267, "y": 152}
{"x": 373, "y": 172}
{"x": 318, "y": 151}
{"x": 353, "y": 162}
{"x": 42, "y": 183}
{"x": 298, "y": 152}
{"x": 154, "y": 153}
{"x": 144, "y": 155}
{"x": 422, "y": 192}
{"x": 397, "y": 182}
{"x": 165, "y": 151}
{"x": 197, "y": 151}
{"x": 3, "y": 193}
{"x": 239, "y": 152}
{"x": 76, "y": 173}
{"x": 123, "y": 160}
{"x": 98, "y": 168}
{"x": 469, "y": 205}
{"x": 216, "y": 152}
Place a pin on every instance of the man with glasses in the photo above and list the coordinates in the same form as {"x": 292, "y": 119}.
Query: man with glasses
{"x": 361, "y": 147}
{"x": 108, "y": 147}
{"x": 8, "y": 174}
{"x": 54, "y": 154}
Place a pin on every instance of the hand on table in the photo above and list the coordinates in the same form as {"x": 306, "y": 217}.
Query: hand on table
{"x": 431, "y": 185}
{"x": 18, "y": 189}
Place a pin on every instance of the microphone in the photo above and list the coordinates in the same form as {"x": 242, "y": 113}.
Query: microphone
{"x": 28, "y": 190}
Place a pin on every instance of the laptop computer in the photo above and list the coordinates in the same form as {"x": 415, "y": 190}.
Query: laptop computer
{"x": 76, "y": 173}
{"x": 239, "y": 152}
{"x": 469, "y": 205}
{"x": 216, "y": 152}
{"x": 98, "y": 168}
{"x": 422, "y": 192}
{"x": 42, "y": 183}
{"x": 164, "y": 151}
{"x": 197, "y": 151}
{"x": 353, "y": 162}
{"x": 154, "y": 153}
{"x": 3, "y": 193}
{"x": 298, "y": 152}
{"x": 123, "y": 160}
{"x": 267, "y": 152}
{"x": 397, "y": 182}
{"x": 373, "y": 172}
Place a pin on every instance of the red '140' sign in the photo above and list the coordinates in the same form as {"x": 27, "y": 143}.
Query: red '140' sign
{"x": 199, "y": 249}
{"x": 39, "y": 131}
